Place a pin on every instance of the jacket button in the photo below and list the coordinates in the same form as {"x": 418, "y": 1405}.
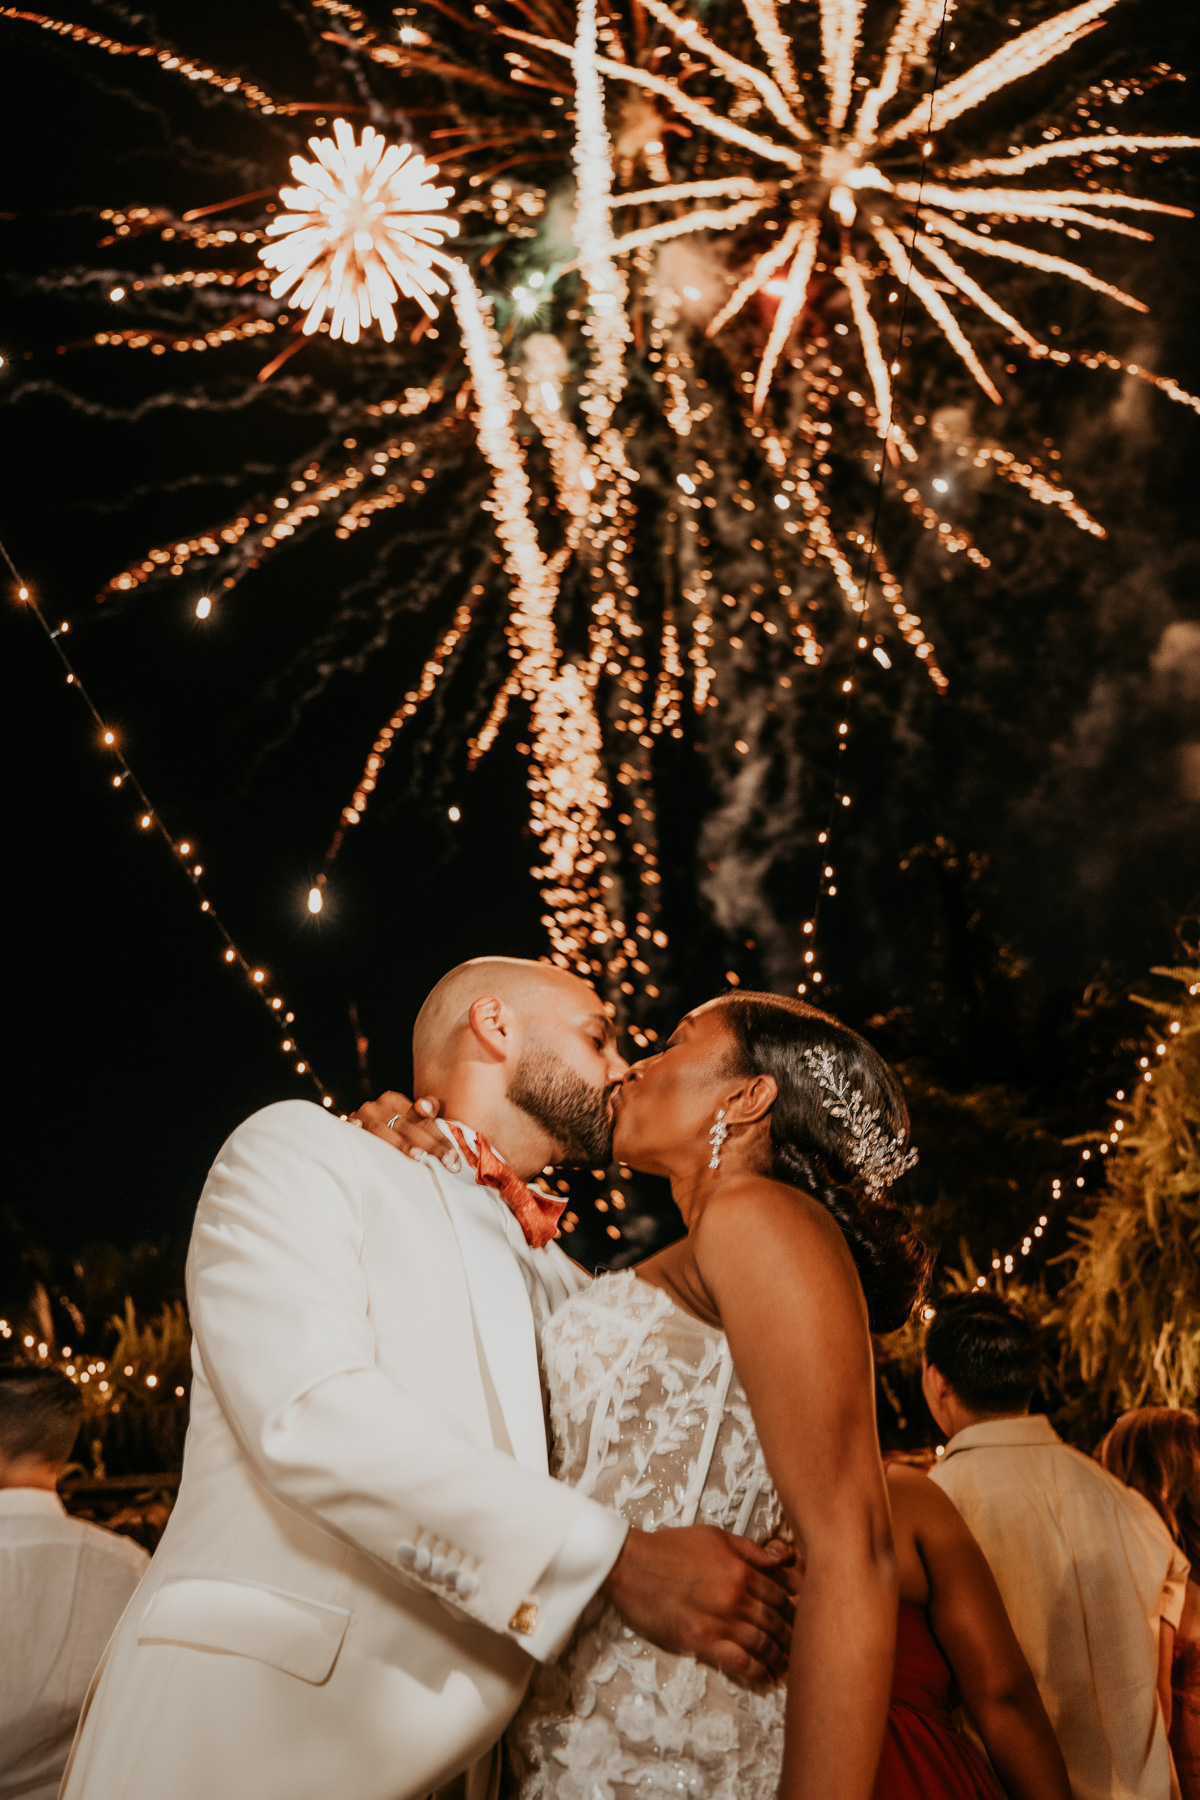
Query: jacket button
{"x": 421, "y": 1560}
{"x": 438, "y": 1568}
{"x": 406, "y": 1553}
{"x": 466, "y": 1583}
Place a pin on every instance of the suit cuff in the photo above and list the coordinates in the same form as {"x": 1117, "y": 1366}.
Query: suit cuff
{"x": 588, "y": 1552}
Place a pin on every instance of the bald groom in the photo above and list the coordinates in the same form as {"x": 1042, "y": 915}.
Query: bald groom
{"x": 368, "y": 1551}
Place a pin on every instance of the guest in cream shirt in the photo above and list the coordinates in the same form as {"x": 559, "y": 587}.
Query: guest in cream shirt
{"x": 63, "y": 1584}
{"x": 1093, "y": 1583}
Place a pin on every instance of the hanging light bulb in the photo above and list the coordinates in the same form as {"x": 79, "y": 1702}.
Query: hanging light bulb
{"x": 315, "y": 901}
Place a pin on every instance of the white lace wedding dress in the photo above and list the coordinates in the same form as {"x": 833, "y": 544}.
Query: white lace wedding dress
{"x": 649, "y": 1418}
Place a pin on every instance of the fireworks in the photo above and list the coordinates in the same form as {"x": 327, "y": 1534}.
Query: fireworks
{"x": 848, "y": 173}
{"x": 362, "y": 229}
{"x": 680, "y": 367}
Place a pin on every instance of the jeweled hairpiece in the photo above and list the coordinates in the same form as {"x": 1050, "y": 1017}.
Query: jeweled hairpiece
{"x": 879, "y": 1158}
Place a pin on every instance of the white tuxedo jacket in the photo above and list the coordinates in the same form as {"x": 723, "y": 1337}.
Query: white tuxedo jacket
{"x": 367, "y": 1547}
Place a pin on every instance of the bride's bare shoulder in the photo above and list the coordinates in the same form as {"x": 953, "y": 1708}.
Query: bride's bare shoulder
{"x": 761, "y": 1247}
{"x": 753, "y": 1213}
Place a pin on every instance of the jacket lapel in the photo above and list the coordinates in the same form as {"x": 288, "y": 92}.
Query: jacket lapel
{"x": 503, "y": 1315}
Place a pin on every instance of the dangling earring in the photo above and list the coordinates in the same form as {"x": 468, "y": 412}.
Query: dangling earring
{"x": 716, "y": 1138}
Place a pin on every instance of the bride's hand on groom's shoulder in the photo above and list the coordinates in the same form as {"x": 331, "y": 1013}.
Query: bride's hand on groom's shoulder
{"x": 704, "y": 1592}
{"x": 407, "y": 1125}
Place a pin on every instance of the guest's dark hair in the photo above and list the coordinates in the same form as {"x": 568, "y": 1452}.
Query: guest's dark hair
{"x": 986, "y": 1350}
{"x": 812, "y": 1150}
{"x": 1157, "y": 1451}
{"x": 40, "y": 1413}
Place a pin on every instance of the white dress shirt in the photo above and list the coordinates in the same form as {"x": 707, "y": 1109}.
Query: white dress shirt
{"x": 1087, "y": 1571}
{"x": 63, "y": 1586}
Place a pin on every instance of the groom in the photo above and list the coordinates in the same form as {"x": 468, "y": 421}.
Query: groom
{"x": 367, "y": 1549}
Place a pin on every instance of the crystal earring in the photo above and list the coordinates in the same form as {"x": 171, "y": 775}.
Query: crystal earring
{"x": 716, "y": 1138}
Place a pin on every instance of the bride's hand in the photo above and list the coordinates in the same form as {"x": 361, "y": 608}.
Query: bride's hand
{"x": 408, "y": 1126}
{"x": 704, "y": 1592}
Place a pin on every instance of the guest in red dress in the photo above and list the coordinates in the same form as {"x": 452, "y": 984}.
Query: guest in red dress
{"x": 955, "y": 1646}
{"x": 1157, "y": 1451}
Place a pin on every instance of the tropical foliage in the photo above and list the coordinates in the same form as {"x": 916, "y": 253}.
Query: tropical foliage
{"x": 1130, "y": 1313}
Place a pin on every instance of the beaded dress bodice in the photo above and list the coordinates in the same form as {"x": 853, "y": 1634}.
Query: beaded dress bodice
{"x": 647, "y": 1417}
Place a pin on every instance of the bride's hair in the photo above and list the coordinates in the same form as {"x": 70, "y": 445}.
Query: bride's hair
{"x": 813, "y": 1148}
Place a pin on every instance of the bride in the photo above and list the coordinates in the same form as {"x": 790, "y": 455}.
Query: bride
{"x": 728, "y": 1381}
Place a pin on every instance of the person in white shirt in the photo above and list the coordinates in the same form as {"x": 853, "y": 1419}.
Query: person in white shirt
{"x": 63, "y": 1584}
{"x": 368, "y": 1551}
{"x": 1091, "y": 1579}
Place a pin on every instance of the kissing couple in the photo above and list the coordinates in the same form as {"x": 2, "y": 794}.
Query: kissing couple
{"x": 376, "y": 1564}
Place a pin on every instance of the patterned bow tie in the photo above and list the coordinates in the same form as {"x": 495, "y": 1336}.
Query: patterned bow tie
{"x": 536, "y": 1213}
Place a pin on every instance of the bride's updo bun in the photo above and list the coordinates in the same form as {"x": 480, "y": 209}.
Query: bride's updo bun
{"x": 839, "y": 1132}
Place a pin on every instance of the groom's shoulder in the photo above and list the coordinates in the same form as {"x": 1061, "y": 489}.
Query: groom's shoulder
{"x": 288, "y": 1119}
{"x": 284, "y": 1131}
{"x": 290, "y": 1134}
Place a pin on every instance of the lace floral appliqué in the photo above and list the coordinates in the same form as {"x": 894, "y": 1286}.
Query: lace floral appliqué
{"x": 649, "y": 1418}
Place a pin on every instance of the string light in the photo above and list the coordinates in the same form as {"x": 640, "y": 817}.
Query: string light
{"x": 1105, "y": 1142}
{"x": 150, "y": 820}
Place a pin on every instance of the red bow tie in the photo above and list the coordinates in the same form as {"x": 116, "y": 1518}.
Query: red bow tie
{"x": 536, "y": 1213}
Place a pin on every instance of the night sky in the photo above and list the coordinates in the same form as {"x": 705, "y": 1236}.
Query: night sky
{"x": 1055, "y": 791}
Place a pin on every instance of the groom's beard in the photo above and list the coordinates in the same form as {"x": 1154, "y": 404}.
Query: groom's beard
{"x": 574, "y": 1114}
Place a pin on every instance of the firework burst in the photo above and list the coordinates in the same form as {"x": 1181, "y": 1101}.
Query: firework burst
{"x": 807, "y": 167}
{"x": 361, "y": 229}
{"x": 686, "y": 252}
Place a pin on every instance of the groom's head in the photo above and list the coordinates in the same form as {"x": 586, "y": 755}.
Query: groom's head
{"x": 524, "y": 1052}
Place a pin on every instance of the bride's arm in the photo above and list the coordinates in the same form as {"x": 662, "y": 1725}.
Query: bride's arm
{"x": 783, "y": 1283}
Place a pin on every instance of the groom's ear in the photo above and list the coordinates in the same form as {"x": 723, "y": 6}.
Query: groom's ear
{"x": 491, "y": 1025}
{"x": 753, "y": 1101}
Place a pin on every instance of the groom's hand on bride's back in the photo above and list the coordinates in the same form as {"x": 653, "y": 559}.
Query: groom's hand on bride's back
{"x": 408, "y": 1125}
{"x": 703, "y": 1592}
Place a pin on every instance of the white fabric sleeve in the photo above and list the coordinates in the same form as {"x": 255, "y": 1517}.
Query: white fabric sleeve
{"x": 279, "y": 1307}
{"x": 1174, "y": 1589}
{"x": 588, "y": 1553}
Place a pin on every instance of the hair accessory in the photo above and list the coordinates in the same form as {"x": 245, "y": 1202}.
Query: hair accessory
{"x": 879, "y": 1159}
{"x": 716, "y": 1138}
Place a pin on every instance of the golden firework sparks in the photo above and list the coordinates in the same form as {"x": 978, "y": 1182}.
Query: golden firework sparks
{"x": 846, "y": 185}
{"x": 566, "y": 783}
{"x": 846, "y": 172}
{"x": 364, "y": 227}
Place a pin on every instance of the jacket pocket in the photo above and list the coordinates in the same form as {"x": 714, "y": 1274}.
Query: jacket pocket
{"x": 242, "y": 1618}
